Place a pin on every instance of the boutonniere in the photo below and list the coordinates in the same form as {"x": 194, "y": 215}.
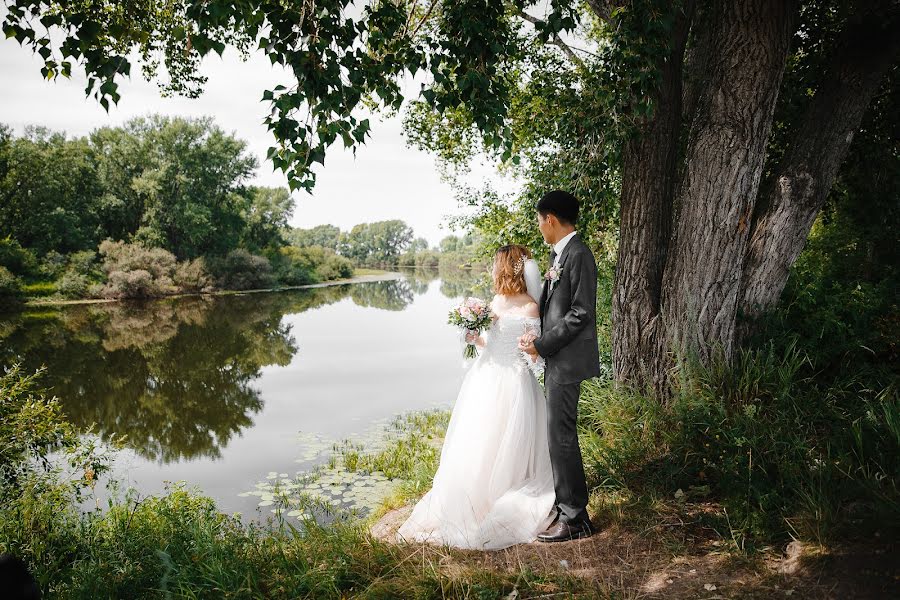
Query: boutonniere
{"x": 552, "y": 275}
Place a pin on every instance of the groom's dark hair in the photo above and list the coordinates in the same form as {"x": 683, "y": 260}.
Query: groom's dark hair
{"x": 563, "y": 205}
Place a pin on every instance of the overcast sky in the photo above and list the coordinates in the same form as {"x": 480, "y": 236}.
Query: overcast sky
{"x": 386, "y": 180}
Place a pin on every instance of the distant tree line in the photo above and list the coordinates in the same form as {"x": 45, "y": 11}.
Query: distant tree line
{"x": 391, "y": 244}
{"x": 157, "y": 206}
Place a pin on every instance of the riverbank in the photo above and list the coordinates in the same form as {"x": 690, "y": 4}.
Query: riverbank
{"x": 675, "y": 559}
{"x": 179, "y": 544}
{"x": 368, "y": 275}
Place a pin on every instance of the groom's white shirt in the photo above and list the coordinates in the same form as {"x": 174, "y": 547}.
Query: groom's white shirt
{"x": 558, "y": 247}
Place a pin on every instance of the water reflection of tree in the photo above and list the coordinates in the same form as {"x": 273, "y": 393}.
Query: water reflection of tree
{"x": 174, "y": 376}
{"x": 465, "y": 282}
{"x": 454, "y": 282}
{"x": 392, "y": 295}
{"x": 419, "y": 278}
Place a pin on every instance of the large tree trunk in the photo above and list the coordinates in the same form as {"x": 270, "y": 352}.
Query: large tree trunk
{"x": 724, "y": 162}
{"x": 786, "y": 213}
{"x": 648, "y": 185}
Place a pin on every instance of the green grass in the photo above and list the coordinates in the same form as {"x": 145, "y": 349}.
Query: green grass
{"x": 40, "y": 289}
{"x": 780, "y": 452}
{"x": 180, "y": 545}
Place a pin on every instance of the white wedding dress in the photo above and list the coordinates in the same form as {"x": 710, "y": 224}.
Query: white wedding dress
{"x": 494, "y": 484}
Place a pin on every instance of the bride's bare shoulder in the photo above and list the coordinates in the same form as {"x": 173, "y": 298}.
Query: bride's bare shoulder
{"x": 521, "y": 305}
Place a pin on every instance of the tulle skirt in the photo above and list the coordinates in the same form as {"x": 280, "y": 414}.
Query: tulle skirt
{"x": 494, "y": 484}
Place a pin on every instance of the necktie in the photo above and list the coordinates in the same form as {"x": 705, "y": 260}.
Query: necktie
{"x": 552, "y": 257}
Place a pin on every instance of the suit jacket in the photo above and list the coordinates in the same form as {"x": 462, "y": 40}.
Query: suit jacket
{"x": 568, "y": 340}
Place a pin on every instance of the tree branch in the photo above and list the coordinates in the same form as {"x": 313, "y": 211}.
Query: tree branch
{"x": 557, "y": 41}
{"x": 603, "y": 10}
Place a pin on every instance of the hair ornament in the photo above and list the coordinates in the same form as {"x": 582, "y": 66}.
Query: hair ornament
{"x": 520, "y": 265}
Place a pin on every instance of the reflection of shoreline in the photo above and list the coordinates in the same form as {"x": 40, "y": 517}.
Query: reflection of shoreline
{"x": 175, "y": 377}
{"x": 386, "y": 276}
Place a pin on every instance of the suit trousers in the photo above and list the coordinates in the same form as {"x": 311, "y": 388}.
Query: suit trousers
{"x": 565, "y": 453}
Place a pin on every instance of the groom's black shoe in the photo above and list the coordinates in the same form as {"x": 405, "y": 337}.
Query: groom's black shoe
{"x": 561, "y": 531}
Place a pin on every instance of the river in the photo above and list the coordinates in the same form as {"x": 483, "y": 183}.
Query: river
{"x": 225, "y": 392}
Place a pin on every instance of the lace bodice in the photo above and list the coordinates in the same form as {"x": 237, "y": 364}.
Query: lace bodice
{"x": 501, "y": 341}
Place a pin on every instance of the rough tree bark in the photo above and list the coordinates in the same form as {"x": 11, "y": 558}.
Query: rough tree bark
{"x": 865, "y": 52}
{"x": 648, "y": 185}
{"x": 724, "y": 162}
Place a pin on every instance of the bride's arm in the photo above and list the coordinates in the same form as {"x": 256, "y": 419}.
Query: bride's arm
{"x": 533, "y": 360}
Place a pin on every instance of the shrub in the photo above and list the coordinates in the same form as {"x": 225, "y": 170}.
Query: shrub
{"x": 95, "y": 290}
{"x": 193, "y": 276}
{"x": 11, "y": 294}
{"x": 783, "y": 453}
{"x": 72, "y": 285}
{"x": 240, "y": 270}
{"x": 53, "y": 264}
{"x": 295, "y": 266}
{"x": 134, "y": 271}
{"x": 119, "y": 256}
{"x": 134, "y": 284}
{"x": 302, "y": 265}
{"x": 428, "y": 258}
{"x": 31, "y": 425}
{"x": 18, "y": 260}
{"x": 84, "y": 262}
{"x": 335, "y": 267}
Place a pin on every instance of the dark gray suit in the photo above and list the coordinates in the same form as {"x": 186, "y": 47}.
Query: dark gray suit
{"x": 568, "y": 343}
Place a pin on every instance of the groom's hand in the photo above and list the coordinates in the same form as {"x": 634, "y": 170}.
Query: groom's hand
{"x": 526, "y": 344}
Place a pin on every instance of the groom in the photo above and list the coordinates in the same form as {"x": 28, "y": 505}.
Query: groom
{"x": 568, "y": 344}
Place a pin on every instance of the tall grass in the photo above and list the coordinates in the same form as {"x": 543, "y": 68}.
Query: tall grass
{"x": 783, "y": 452}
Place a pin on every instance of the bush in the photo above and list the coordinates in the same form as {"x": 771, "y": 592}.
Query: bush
{"x": 428, "y": 258}
{"x": 783, "y": 453}
{"x": 240, "y": 270}
{"x": 11, "y": 294}
{"x": 53, "y": 264}
{"x": 31, "y": 425}
{"x": 132, "y": 284}
{"x": 335, "y": 267}
{"x": 193, "y": 276}
{"x": 18, "y": 260}
{"x": 134, "y": 271}
{"x": 295, "y": 266}
{"x": 72, "y": 285}
{"x": 119, "y": 256}
{"x": 322, "y": 264}
{"x": 84, "y": 262}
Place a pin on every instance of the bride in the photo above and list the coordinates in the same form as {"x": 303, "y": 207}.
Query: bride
{"x": 494, "y": 484}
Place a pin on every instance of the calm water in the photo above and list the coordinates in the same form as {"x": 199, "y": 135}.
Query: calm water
{"x": 222, "y": 392}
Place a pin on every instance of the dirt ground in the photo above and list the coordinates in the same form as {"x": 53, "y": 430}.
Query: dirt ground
{"x": 675, "y": 561}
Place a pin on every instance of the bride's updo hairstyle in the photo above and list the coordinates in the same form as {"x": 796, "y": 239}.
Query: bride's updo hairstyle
{"x": 509, "y": 272}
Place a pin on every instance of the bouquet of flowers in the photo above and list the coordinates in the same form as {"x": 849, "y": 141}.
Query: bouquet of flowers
{"x": 473, "y": 315}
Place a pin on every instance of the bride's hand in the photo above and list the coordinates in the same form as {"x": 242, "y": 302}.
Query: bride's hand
{"x": 472, "y": 337}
